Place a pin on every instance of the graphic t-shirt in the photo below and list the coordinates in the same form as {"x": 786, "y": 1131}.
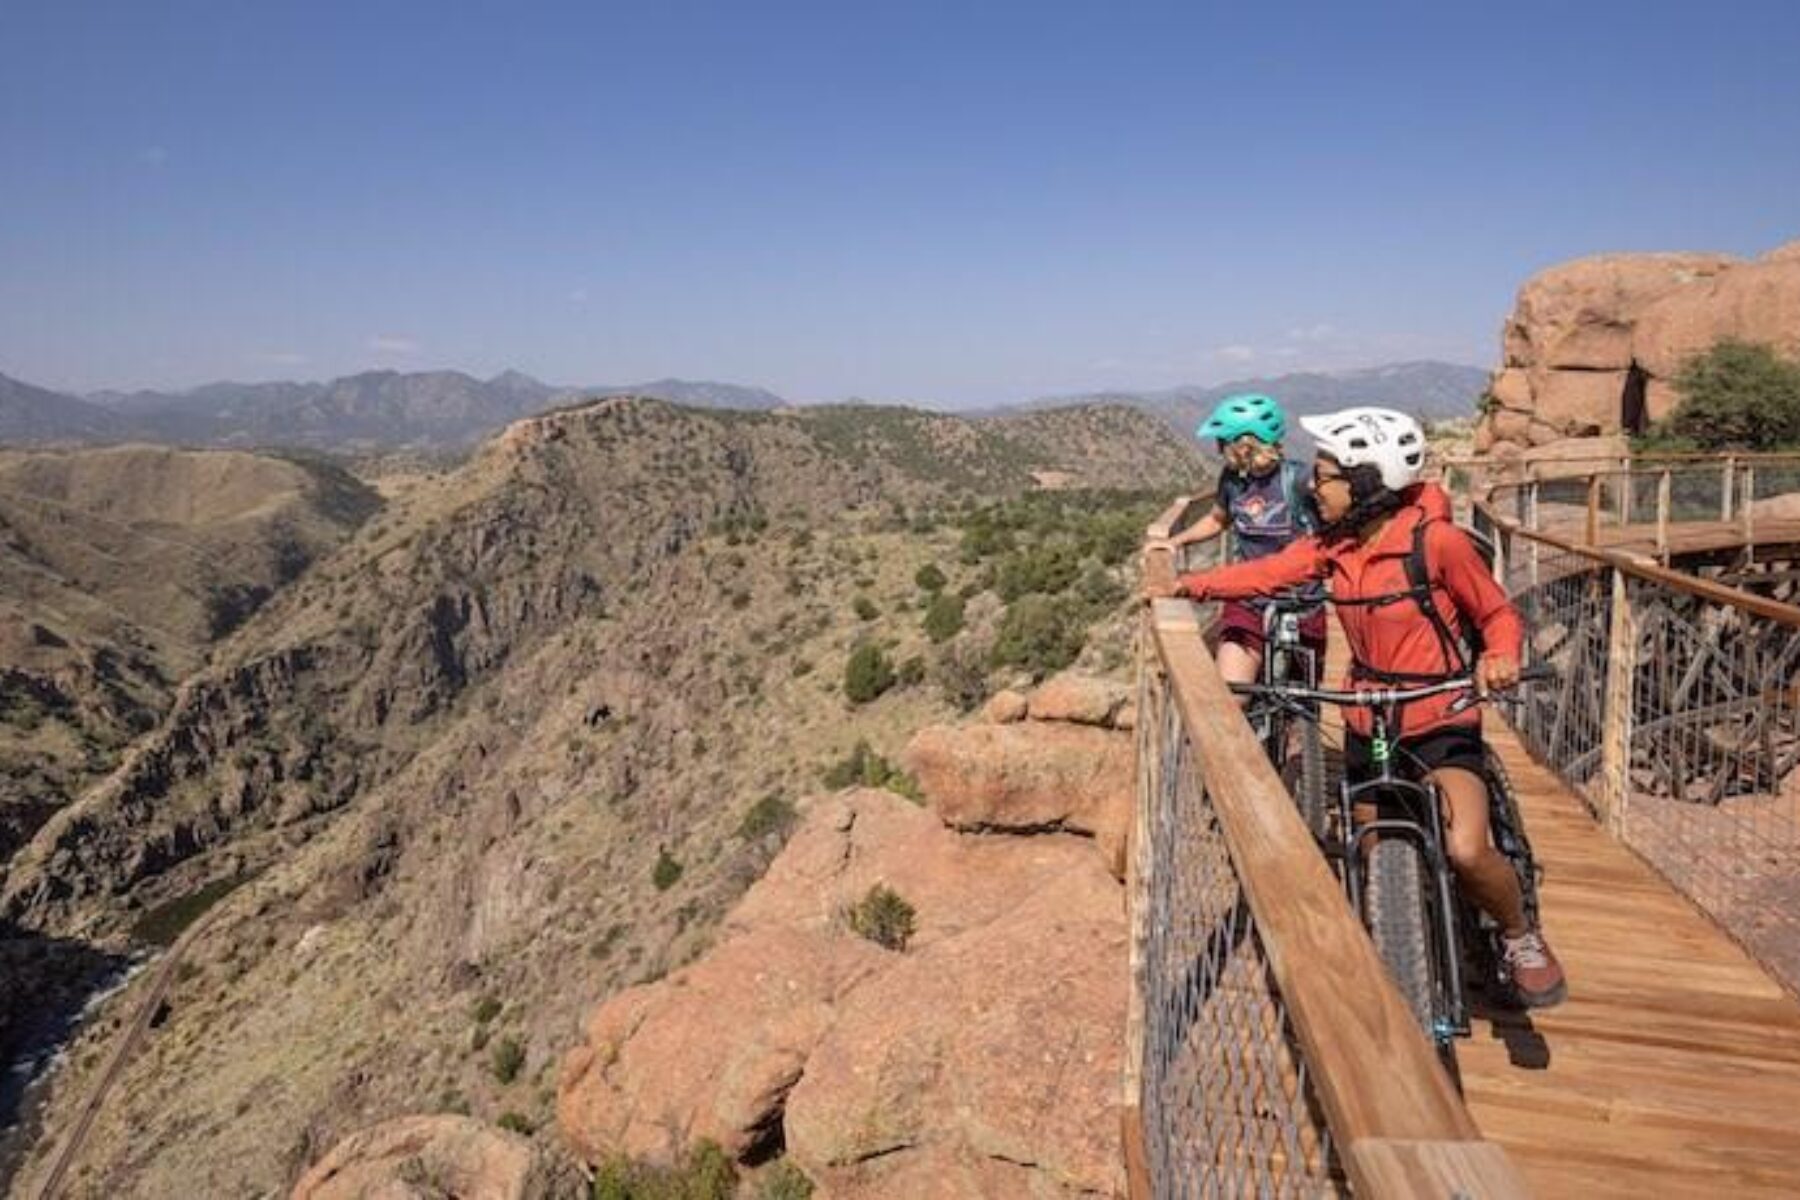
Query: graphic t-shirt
{"x": 1267, "y": 512}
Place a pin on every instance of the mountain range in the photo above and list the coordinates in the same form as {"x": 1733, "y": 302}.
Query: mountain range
{"x": 451, "y": 411}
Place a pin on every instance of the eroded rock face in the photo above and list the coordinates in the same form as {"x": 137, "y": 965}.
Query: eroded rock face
{"x": 1032, "y": 776}
{"x": 429, "y": 1157}
{"x": 1082, "y": 699}
{"x": 1593, "y": 346}
{"x": 982, "y": 1060}
{"x": 1000, "y": 1045}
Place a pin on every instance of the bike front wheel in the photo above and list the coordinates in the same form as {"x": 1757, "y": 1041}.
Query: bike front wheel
{"x": 1397, "y": 913}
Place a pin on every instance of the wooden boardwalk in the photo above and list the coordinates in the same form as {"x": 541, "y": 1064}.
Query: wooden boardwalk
{"x": 1674, "y": 1067}
{"x": 1685, "y": 537}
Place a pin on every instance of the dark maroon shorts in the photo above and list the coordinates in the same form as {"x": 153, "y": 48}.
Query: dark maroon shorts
{"x": 1241, "y": 621}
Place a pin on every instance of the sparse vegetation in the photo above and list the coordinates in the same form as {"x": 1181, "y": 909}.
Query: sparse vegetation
{"x": 517, "y": 1122}
{"x": 666, "y": 872}
{"x": 865, "y": 609}
{"x": 884, "y": 917}
{"x": 929, "y": 579}
{"x": 486, "y": 1009}
{"x": 863, "y": 767}
{"x": 772, "y": 816}
{"x": 508, "y": 1059}
{"x": 868, "y": 673}
{"x": 705, "y": 1172}
{"x": 944, "y": 619}
{"x": 782, "y": 1180}
{"x": 1039, "y": 635}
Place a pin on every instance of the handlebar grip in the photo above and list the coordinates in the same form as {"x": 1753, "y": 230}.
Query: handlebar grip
{"x": 1537, "y": 673}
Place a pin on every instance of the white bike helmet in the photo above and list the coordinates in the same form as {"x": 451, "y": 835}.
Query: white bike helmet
{"x": 1389, "y": 440}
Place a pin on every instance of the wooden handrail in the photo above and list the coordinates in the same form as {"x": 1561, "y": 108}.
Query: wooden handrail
{"x": 1632, "y": 565}
{"x": 1392, "y": 1110}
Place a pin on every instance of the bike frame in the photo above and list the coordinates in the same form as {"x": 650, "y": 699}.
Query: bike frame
{"x": 1420, "y": 819}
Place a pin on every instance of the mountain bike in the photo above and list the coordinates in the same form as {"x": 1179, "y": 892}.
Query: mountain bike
{"x": 1395, "y": 868}
{"x": 1287, "y": 659}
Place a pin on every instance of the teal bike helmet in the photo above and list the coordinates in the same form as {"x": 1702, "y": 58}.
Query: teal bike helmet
{"x": 1251, "y": 413}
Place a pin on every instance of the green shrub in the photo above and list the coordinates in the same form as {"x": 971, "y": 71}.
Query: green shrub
{"x": 1038, "y": 634}
{"x": 1736, "y": 396}
{"x": 705, "y": 1172}
{"x": 912, "y": 672}
{"x": 865, "y": 609}
{"x": 772, "y": 815}
{"x": 782, "y": 1180}
{"x": 508, "y": 1058}
{"x": 867, "y": 674}
{"x": 1046, "y": 569}
{"x": 929, "y": 578}
{"x": 486, "y": 1009}
{"x": 666, "y": 871}
{"x": 863, "y": 767}
{"x": 961, "y": 675}
{"x": 944, "y": 619}
{"x": 884, "y": 917}
{"x": 515, "y": 1122}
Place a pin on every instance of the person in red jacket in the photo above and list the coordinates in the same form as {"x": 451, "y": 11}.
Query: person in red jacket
{"x": 1365, "y": 483}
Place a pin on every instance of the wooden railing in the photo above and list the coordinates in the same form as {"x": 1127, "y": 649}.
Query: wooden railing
{"x": 1675, "y": 712}
{"x": 1268, "y": 1053}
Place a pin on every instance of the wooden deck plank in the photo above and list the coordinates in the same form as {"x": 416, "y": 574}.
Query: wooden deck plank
{"x": 1674, "y": 1066}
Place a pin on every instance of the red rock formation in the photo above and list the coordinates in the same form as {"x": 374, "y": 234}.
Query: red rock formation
{"x": 1584, "y": 336}
{"x": 441, "y": 1155}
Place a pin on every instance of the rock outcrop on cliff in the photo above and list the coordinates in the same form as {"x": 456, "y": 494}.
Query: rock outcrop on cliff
{"x": 1593, "y": 346}
{"x": 425, "y": 1158}
{"x": 981, "y": 1060}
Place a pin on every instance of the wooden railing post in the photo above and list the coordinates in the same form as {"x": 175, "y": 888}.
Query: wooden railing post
{"x": 1725, "y": 487}
{"x": 1625, "y": 490}
{"x": 1662, "y": 517}
{"x": 1614, "y": 793}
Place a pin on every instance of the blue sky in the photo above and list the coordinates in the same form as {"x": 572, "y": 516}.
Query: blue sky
{"x": 940, "y": 203}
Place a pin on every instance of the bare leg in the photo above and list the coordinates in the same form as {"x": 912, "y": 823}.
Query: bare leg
{"x": 1239, "y": 664}
{"x": 1485, "y": 875}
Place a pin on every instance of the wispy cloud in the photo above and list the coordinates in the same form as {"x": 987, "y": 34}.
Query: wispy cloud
{"x": 1235, "y": 353}
{"x": 383, "y": 343}
{"x": 1322, "y": 332}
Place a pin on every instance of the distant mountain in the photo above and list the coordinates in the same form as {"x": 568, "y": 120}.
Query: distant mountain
{"x": 697, "y": 394}
{"x": 1435, "y": 390}
{"x": 434, "y": 410}
{"x": 34, "y": 415}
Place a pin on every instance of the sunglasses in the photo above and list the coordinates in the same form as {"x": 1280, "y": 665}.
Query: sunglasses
{"x": 1321, "y": 478}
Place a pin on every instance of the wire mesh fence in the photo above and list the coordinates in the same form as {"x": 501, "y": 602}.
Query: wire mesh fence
{"x": 1714, "y": 798}
{"x": 1227, "y": 1106}
{"x": 1565, "y": 601}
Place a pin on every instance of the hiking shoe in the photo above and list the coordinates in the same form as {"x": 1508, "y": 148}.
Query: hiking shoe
{"x": 1536, "y": 975}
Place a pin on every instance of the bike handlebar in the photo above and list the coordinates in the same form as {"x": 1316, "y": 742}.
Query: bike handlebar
{"x": 1379, "y": 697}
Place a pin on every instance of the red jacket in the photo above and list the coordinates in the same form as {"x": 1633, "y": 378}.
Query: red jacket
{"x": 1394, "y": 637}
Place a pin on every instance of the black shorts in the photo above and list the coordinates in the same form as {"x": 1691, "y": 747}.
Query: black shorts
{"x": 1454, "y": 746}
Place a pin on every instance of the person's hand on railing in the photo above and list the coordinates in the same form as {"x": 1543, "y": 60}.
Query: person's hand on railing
{"x": 1495, "y": 673}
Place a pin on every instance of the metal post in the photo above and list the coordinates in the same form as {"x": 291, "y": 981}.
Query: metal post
{"x": 1593, "y": 509}
{"x": 1748, "y": 504}
{"x": 1662, "y": 517}
{"x": 1613, "y": 796}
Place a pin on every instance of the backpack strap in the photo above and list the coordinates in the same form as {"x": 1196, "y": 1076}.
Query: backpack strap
{"x": 1418, "y": 573}
{"x": 1458, "y": 655}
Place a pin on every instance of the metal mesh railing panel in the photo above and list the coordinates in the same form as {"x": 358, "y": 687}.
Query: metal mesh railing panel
{"x": 1565, "y": 600}
{"x": 1714, "y": 797}
{"x": 1227, "y": 1106}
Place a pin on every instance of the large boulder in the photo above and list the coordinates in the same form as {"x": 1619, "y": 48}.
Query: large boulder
{"x": 1078, "y": 698}
{"x": 1580, "y": 403}
{"x": 1757, "y": 302}
{"x": 1573, "y": 457}
{"x": 713, "y": 1050}
{"x": 1034, "y": 776}
{"x": 710, "y": 1051}
{"x": 995, "y": 1048}
{"x": 1580, "y": 314}
{"x": 421, "y": 1158}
